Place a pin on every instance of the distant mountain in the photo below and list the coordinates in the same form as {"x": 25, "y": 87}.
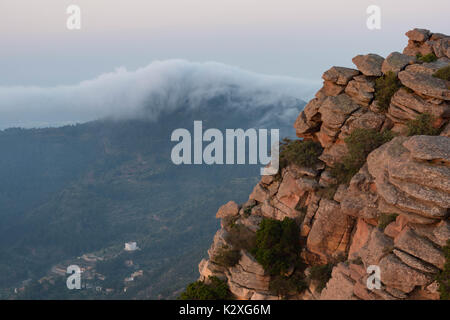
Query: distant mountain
{"x": 89, "y": 188}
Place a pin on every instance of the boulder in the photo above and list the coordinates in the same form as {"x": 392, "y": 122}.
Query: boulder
{"x": 378, "y": 246}
{"x": 414, "y": 47}
{"x": 340, "y": 75}
{"x": 425, "y": 84}
{"x": 334, "y": 111}
{"x": 420, "y": 35}
{"x": 398, "y": 275}
{"x": 249, "y": 274}
{"x": 429, "y": 148}
{"x": 369, "y": 64}
{"x": 259, "y": 193}
{"x": 309, "y": 119}
{"x": 396, "y": 62}
{"x": 428, "y": 68}
{"x": 290, "y": 191}
{"x": 441, "y": 47}
{"x": 361, "y": 89}
{"x": 408, "y": 106}
{"x": 331, "y": 89}
{"x": 408, "y": 241}
{"x": 362, "y": 119}
{"x": 438, "y": 234}
{"x": 330, "y": 230}
{"x": 334, "y": 154}
{"x": 414, "y": 262}
{"x": 229, "y": 209}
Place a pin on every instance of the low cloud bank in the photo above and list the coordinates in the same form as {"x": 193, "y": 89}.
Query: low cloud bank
{"x": 162, "y": 86}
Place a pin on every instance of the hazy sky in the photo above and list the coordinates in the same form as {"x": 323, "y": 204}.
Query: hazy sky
{"x": 282, "y": 37}
{"x": 123, "y": 55}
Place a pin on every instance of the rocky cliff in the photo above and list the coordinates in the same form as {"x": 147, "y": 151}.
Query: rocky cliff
{"x": 393, "y": 213}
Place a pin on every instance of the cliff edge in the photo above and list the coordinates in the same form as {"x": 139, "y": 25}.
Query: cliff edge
{"x": 377, "y": 193}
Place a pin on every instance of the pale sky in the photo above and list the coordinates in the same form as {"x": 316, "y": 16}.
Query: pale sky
{"x": 276, "y": 37}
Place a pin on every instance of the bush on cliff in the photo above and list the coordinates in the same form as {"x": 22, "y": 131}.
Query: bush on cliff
{"x": 385, "y": 87}
{"x": 444, "y": 276}
{"x": 241, "y": 237}
{"x": 443, "y": 73}
{"x": 322, "y": 274}
{"x": 214, "y": 289}
{"x": 431, "y": 57}
{"x": 227, "y": 257}
{"x": 283, "y": 286}
{"x": 277, "y": 245}
{"x": 359, "y": 143}
{"x": 304, "y": 153}
{"x": 422, "y": 125}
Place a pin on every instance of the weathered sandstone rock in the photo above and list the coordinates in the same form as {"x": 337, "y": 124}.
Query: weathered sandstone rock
{"x": 429, "y": 148}
{"x": 393, "y": 166}
{"x": 340, "y": 287}
{"x": 425, "y": 84}
{"x": 369, "y": 65}
{"x": 229, "y": 209}
{"x": 407, "y": 106}
{"x": 396, "y": 62}
{"x": 330, "y": 229}
{"x": 441, "y": 47}
{"x": 419, "y": 247}
{"x": 398, "y": 275}
{"x": 418, "y": 34}
{"x": 378, "y": 246}
{"x": 340, "y": 75}
{"x": 361, "y": 90}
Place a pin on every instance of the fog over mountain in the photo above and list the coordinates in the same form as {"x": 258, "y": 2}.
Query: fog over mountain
{"x": 162, "y": 86}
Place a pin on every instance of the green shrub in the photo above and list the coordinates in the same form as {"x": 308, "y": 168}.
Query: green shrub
{"x": 304, "y": 153}
{"x": 227, "y": 257}
{"x": 359, "y": 143}
{"x": 277, "y": 245}
{"x": 422, "y": 125}
{"x": 215, "y": 289}
{"x": 443, "y": 73}
{"x": 431, "y": 57}
{"x": 284, "y": 286}
{"x": 385, "y": 87}
{"x": 386, "y": 219}
{"x": 241, "y": 237}
{"x": 444, "y": 276}
{"x": 321, "y": 274}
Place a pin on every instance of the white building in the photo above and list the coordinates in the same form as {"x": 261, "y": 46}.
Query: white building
{"x": 130, "y": 246}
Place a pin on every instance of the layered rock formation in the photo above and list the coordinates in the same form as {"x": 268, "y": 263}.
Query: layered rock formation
{"x": 406, "y": 179}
